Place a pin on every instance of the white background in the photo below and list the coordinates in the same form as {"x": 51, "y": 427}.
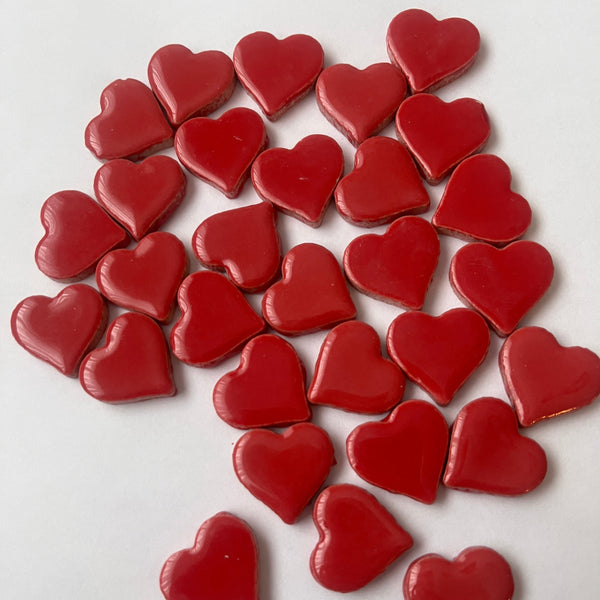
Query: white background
{"x": 95, "y": 497}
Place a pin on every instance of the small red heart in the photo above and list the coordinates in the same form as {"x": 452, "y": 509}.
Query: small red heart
{"x": 78, "y": 234}
{"x": 358, "y": 538}
{"x": 439, "y": 353}
{"x": 396, "y": 267}
{"x": 221, "y": 151}
{"x": 488, "y": 454}
{"x": 405, "y": 453}
{"x": 284, "y": 471}
{"x": 277, "y": 73}
{"x": 431, "y": 53}
{"x": 300, "y": 181}
{"x": 352, "y": 375}
{"x": 133, "y": 365}
{"x": 63, "y": 329}
{"x": 130, "y": 125}
{"x": 544, "y": 379}
{"x": 440, "y": 135}
{"x": 360, "y": 103}
{"x": 266, "y": 390}
{"x": 222, "y": 564}
{"x": 190, "y": 85}
{"x": 502, "y": 284}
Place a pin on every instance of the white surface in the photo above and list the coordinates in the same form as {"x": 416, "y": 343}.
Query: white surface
{"x": 95, "y": 497}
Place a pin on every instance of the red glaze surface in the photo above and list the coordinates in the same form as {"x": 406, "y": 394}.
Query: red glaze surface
{"x": 284, "y": 471}
{"x": 478, "y": 203}
{"x": 78, "y": 232}
{"x": 300, "y": 181}
{"x": 358, "y": 538}
{"x": 312, "y": 294}
{"x": 130, "y": 125}
{"x": 190, "y": 85}
{"x": 222, "y": 564}
{"x": 405, "y": 453}
{"x": 266, "y": 390}
{"x": 133, "y": 365}
{"x": 141, "y": 197}
{"x": 221, "y": 151}
{"x": 431, "y": 53}
{"x": 488, "y": 454}
{"x": 544, "y": 379}
{"x": 476, "y": 573}
{"x": 503, "y": 285}
{"x": 63, "y": 329}
{"x": 405, "y": 257}
{"x": 277, "y": 73}
{"x": 384, "y": 184}
{"x": 242, "y": 241}
{"x": 146, "y": 278}
{"x": 439, "y": 353}
{"x": 351, "y": 373}
{"x": 215, "y": 320}
{"x": 440, "y": 135}
{"x": 360, "y": 103}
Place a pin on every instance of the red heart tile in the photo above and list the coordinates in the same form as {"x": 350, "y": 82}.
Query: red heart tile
{"x": 243, "y": 241}
{"x": 351, "y": 373}
{"x": 141, "y": 197}
{"x": 77, "y": 234}
{"x": 431, "y": 53}
{"x": 221, "y": 151}
{"x": 222, "y": 564}
{"x": 478, "y": 203}
{"x": 384, "y": 184}
{"x": 216, "y": 320}
{"x": 502, "y": 284}
{"x": 63, "y": 329}
{"x": 146, "y": 278}
{"x": 488, "y": 454}
{"x": 277, "y": 73}
{"x": 284, "y": 470}
{"x": 300, "y": 181}
{"x": 130, "y": 125}
{"x": 266, "y": 390}
{"x": 544, "y": 379}
{"x": 360, "y": 103}
{"x": 190, "y": 85}
{"x": 440, "y": 135}
{"x": 405, "y": 453}
{"x": 312, "y": 294}
{"x": 439, "y": 353}
{"x": 358, "y": 538}
{"x": 396, "y": 267}
{"x": 133, "y": 365}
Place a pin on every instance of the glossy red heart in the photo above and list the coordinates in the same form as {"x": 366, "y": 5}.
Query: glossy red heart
{"x": 130, "y": 125}
{"x": 439, "y": 353}
{"x": 63, "y": 329}
{"x": 78, "y": 232}
{"x": 266, "y": 390}
{"x": 431, "y": 53}
{"x": 405, "y": 257}
{"x": 277, "y": 73}
{"x": 221, "y": 151}
{"x": 502, "y": 284}
{"x": 544, "y": 379}
{"x": 133, "y": 365}
{"x": 284, "y": 470}
{"x": 440, "y": 135}
{"x": 300, "y": 181}
{"x": 488, "y": 454}
{"x": 222, "y": 564}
